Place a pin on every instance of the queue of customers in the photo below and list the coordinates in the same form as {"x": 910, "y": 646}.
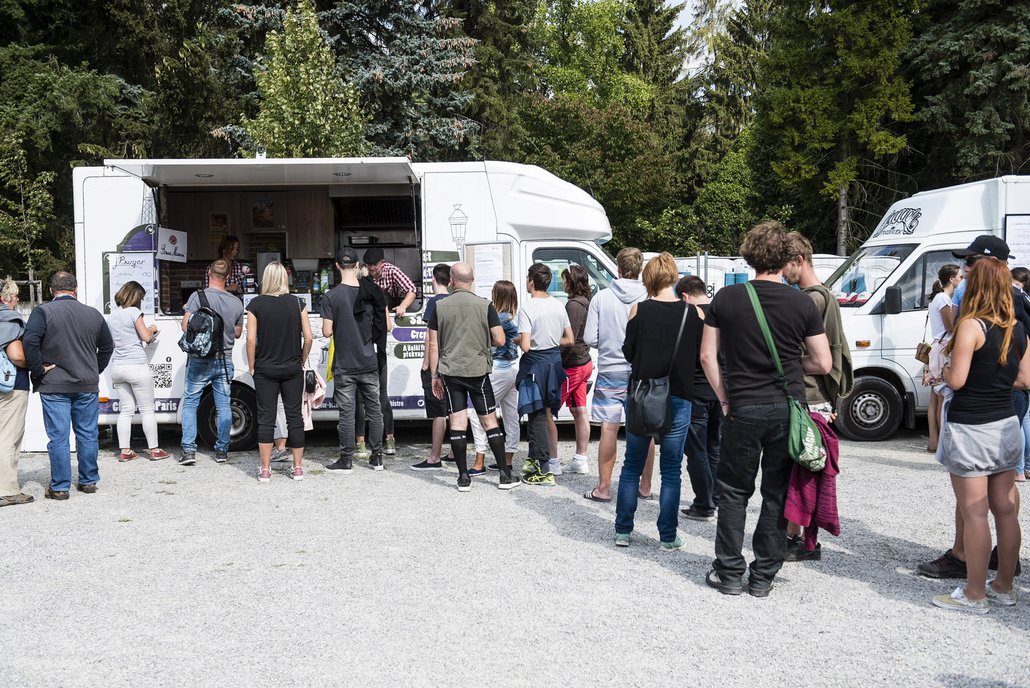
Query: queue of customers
{"x": 729, "y": 385}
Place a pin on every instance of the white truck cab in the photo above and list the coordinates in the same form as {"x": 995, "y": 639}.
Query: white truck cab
{"x": 883, "y": 291}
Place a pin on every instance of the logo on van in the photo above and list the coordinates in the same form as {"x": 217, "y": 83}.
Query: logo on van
{"x": 901, "y": 222}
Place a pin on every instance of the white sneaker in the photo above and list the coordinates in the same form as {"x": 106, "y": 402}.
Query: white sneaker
{"x": 959, "y": 602}
{"x": 579, "y": 465}
{"x": 1005, "y": 599}
{"x": 554, "y": 466}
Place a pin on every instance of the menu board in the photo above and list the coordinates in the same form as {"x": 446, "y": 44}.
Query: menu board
{"x": 1017, "y": 236}
{"x": 127, "y": 267}
{"x": 491, "y": 262}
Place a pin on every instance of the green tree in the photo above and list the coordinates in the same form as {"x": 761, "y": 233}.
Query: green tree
{"x": 410, "y": 63}
{"x": 833, "y": 99}
{"x": 970, "y": 64}
{"x": 26, "y": 212}
{"x": 307, "y": 110}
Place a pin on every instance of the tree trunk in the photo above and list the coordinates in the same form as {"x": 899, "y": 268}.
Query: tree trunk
{"x": 842, "y": 220}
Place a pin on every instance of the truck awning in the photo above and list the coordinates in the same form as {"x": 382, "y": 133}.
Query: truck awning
{"x": 269, "y": 171}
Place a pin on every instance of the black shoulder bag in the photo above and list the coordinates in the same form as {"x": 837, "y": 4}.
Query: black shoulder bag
{"x": 647, "y": 404}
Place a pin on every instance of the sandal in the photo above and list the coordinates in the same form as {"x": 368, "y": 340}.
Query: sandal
{"x": 127, "y": 455}
{"x": 594, "y": 498}
{"x": 158, "y": 454}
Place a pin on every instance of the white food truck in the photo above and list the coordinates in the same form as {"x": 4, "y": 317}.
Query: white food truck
{"x": 159, "y": 222}
{"x": 883, "y": 290}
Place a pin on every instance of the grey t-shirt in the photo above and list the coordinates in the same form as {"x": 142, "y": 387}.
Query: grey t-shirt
{"x": 353, "y": 351}
{"x": 128, "y": 347}
{"x": 546, "y": 319}
{"x": 226, "y": 305}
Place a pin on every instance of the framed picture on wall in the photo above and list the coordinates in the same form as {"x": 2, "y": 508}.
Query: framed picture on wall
{"x": 263, "y": 214}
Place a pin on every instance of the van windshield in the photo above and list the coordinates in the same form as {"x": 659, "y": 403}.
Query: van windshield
{"x": 854, "y": 282}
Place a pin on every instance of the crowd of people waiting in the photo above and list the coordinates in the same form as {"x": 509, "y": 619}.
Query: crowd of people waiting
{"x": 728, "y": 389}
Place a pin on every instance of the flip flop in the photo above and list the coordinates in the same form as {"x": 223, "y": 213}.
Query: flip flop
{"x": 594, "y": 498}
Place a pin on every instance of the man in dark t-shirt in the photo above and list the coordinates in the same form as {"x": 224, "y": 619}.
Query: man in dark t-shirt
{"x": 754, "y": 402}
{"x": 462, "y": 328}
{"x": 348, "y": 320}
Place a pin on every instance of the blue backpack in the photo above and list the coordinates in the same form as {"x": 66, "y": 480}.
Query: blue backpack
{"x": 8, "y": 373}
{"x": 203, "y": 335}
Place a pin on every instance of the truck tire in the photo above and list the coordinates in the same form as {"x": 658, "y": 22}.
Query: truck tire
{"x": 872, "y": 412}
{"x": 243, "y": 403}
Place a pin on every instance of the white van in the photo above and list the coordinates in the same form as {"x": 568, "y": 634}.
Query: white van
{"x": 501, "y": 217}
{"x": 883, "y": 291}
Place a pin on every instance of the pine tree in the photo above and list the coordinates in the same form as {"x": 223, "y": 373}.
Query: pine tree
{"x": 833, "y": 98}
{"x": 970, "y": 65}
{"x": 307, "y": 108}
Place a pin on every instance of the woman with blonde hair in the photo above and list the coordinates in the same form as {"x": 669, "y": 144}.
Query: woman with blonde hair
{"x": 130, "y": 370}
{"x": 505, "y": 297}
{"x": 981, "y": 442}
{"x": 277, "y": 324}
{"x": 13, "y": 403}
{"x": 661, "y": 340}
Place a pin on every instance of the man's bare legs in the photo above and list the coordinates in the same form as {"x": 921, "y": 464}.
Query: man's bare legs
{"x": 607, "y": 450}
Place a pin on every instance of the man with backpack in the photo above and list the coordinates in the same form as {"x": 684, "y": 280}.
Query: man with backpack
{"x": 212, "y": 321}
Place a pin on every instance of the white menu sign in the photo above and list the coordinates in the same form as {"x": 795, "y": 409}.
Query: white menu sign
{"x": 129, "y": 267}
{"x": 1017, "y": 236}
{"x": 171, "y": 245}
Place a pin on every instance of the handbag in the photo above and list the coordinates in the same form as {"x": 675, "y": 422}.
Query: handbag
{"x": 923, "y": 347}
{"x": 647, "y": 403}
{"x": 804, "y": 441}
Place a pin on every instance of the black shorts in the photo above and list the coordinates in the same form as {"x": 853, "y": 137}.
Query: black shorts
{"x": 458, "y": 390}
{"x": 435, "y": 408}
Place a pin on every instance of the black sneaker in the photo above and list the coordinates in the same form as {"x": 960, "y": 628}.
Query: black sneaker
{"x": 796, "y": 550}
{"x": 187, "y": 459}
{"x": 449, "y": 459}
{"x": 695, "y": 514}
{"x": 464, "y": 482}
{"x": 427, "y": 466}
{"x": 759, "y": 589}
{"x": 376, "y": 462}
{"x": 992, "y": 565}
{"x": 714, "y": 580}
{"x": 945, "y": 566}
{"x": 344, "y": 465}
{"x": 508, "y": 480}
{"x": 221, "y": 457}
{"x": 492, "y": 467}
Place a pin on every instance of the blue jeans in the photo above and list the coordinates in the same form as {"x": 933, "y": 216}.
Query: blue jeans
{"x": 753, "y": 437}
{"x": 81, "y": 412}
{"x": 704, "y": 443}
{"x": 1022, "y": 467}
{"x": 200, "y": 372}
{"x": 670, "y": 460}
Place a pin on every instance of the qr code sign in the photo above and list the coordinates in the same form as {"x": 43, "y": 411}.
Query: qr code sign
{"x": 162, "y": 373}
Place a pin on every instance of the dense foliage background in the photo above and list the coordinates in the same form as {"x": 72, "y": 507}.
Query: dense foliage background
{"x": 817, "y": 113}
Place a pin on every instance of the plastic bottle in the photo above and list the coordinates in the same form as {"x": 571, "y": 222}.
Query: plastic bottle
{"x": 325, "y": 280}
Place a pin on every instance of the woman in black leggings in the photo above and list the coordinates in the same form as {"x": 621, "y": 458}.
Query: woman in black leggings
{"x": 276, "y": 325}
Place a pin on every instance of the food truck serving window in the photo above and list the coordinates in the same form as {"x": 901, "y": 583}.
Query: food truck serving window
{"x": 855, "y": 281}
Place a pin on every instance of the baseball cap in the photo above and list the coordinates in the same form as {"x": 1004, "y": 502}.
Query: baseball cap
{"x": 347, "y": 256}
{"x": 373, "y": 255}
{"x": 985, "y": 245}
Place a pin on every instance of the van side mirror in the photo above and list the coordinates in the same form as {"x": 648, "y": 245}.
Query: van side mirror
{"x": 892, "y": 301}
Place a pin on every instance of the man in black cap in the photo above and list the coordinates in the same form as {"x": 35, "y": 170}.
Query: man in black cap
{"x": 399, "y": 288}
{"x": 952, "y": 564}
{"x": 348, "y": 319}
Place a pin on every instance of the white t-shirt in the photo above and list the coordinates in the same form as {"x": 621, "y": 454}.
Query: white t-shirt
{"x": 937, "y": 328}
{"x": 545, "y": 319}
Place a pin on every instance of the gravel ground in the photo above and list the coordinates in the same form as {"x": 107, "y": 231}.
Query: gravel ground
{"x": 200, "y": 575}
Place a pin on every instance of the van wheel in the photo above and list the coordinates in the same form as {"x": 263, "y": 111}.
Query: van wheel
{"x": 243, "y": 404}
{"x": 872, "y": 411}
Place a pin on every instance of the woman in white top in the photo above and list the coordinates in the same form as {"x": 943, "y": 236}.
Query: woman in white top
{"x": 941, "y": 316}
{"x": 130, "y": 370}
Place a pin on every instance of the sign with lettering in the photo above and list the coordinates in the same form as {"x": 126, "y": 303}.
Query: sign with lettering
{"x": 901, "y": 222}
{"x": 171, "y": 245}
{"x": 130, "y": 267}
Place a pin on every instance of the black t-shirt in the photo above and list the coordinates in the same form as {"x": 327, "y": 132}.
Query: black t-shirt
{"x": 279, "y": 333}
{"x": 353, "y": 351}
{"x": 702, "y": 390}
{"x": 750, "y": 374}
{"x": 372, "y": 294}
{"x": 651, "y": 337}
{"x": 987, "y": 395}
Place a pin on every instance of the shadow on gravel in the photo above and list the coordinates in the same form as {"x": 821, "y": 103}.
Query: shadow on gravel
{"x": 931, "y": 465}
{"x": 887, "y": 565}
{"x": 959, "y": 681}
